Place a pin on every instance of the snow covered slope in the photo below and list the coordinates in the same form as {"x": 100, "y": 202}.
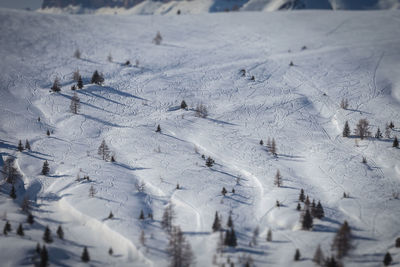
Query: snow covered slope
{"x": 352, "y": 55}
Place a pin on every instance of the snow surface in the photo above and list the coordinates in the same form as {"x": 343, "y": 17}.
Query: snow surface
{"x": 349, "y": 54}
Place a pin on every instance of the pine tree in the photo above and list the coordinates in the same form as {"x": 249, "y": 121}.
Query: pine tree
{"x": 209, "y": 162}
{"x": 256, "y": 233}
{"x": 297, "y": 255}
{"x": 269, "y": 235}
{"x": 111, "y": 215}
{"x": 10, "y": 171}
{"x": 261, "y": 142}
{"x": 27, "y": 145}
{"x": 378, "y": 134}
{"x": 60, "y": 232}
{"x": 307, "y": 201}
{"x": 318, "y": 256}
{"x": 48, "y": 133}
{"x": 110, "y": 251}
{"x": 141, "y": 216}
{"x": 183, "y": 105}
{"x": 168, "y": 216}
{"x": 223, "y": 191}
{"x": 397, "y": 243}
{"x": 56, "y": 85}
{"x": 395, "y": 142}
{"x": 77, "y": 54}
{"x": 45, "y": 169}
{"x": 47, "y": 235}
{"x": 319, "y": 211}
{"x": 44, "y": 257}
{"x": 391, "y": 125}
{"x": 97, "y": 78}
{"x": 13, "y": 195}
{"x": 331, "y": 262}
{"x": 158, "y": 130}
{"x": 30, "y": 219}
{"x": 230, "y": 238}
{"x": 112, "y": 158}
{"x": 387, "y": 260}
{"x": 80, "y": 82}
{"x": 298, "y": 206}
{"x": 179, "y": 250}
{"x": 104, "y": 151}
{"x": 38, "y": 249}
{"x": 20, "y": 146}
{"x": 75, "y": 104}
{"x": 307, "y": 221}
{"x": 217, "y": 223}
{"x": 7, "y": 227}
{"x": 85, "y": 255}
{"x": 302, "y": 196}
{"x": 346, "y": 129}
{"x": 278, "y": 179}
{"x": 341, "y": 243}
{"x": 229, "y": 223}
{"x": 20, "y": 230}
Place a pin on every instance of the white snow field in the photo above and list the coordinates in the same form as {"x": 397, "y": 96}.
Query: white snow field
{"x": 352, "y": 55}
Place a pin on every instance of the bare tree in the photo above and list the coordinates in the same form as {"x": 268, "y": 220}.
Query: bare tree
{"x": 278, "y": 179}
{"x": 201, "y": 111}
{"x": 56, "y": 85}
{"x": 273, "y": 149}
{"x": 75, "y": 104}
{"x": 168, "y": 217}
{"x": 75, "y": 75}
{"x": 179, "y": 250}
{"x": 77, "y": 53}
{"x": 362, "y": 129}
{"x": 92, "y": 191}
{"x": 344, "y": 104}
{"x": 341, "y": 243}
{"x": 10, "y": 171}
{"x": 104, "y": 151}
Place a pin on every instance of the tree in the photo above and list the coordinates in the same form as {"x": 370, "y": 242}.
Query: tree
{"x": 344, "y": 104}
{"x": 75, "y": 75}
{"x": 56, "y": 85}
{"x": 85, "y": 255}
{"x": 256, "y": 233}
{"x": 201, "y": 111}
{"x": 341, "y": 243}
{"x": 97, "y": 78}
{"x": 331, "y": 262}
{"x": 10, "y": 172}
{"x": 157, "y": 40}
{"x": 298, "y": 206}
{"x": 230, "y": 238}
{"x": 38, "y": 249}
{"x": 111, "y": 215}
{"x": 179, "y": 250}
{"x": 319, "y": 211}
{"x": 223, "y": 191}
{"x": 269, "y": 235}
{"x": 272, "y": 148}
{"x": 362, "y": 129}
{"x": 20, "y": 230}
{"x": 183, "y": 105}
{"x": 307, "y": 220}
{"x": 60, "y": 232}
{"x": 7, "y": 228}
{"x": 395, "y": 142}
{"x": 167, "y": 218}
{"x": 112, "y": 158}
{"x": 278, "y": 179}
{"x": 387, "y": 131}
{"x": 142, "y": 238}
{"x": 302, "y": 196}
{"x": 346, "y": 129}
{"x": 20, "y": 146}
{"x": 47, "y": 235}
{"x": 378, "y": 134}
{"x": 110, "y": 251}
{"x": 158, "y": 130}
{"x": 30, "y": 219}
{"x": 13, "y": 195}
{"x": 44, "y": 257}
{"x": 141, "y": 216}
{"x": 45, "y": 168}
{"x": 297, "y": 255}
{"x": 397, "y": 243}
{"x": 318, "y": 256}
{"x": 77, "y": 54}
{"x": 261, "y": 142}
{"x": 229, "y": 223}
{"x": 48, "y": 132}
{"x": 92, "y": 191}
{"x": 27, "y": 145}
{"x": 391, "y": 125}
{"x": 387, "y": 260}
{"x": 291, "y": 64}
{"x": 75, "y": 104}
{"x": 209, "y": 162}
{"x": 109, "y": 58}
{"x": 217, "y": 223}
{"x": 104, "y": 151}
{"x": 80, "y": 82}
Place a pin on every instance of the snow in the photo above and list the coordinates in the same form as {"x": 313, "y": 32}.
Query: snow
{"x": 353, "y": 55}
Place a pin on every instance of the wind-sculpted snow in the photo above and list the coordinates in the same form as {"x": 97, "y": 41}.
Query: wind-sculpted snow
{"x": 335, "y": 55}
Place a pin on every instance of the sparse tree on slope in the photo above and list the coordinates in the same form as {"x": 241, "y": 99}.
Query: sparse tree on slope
{"x": 56, "y": 85}
{"x": 217, "y": 223}
{"x": 27, "y": 145}
{"x": 85, "y": 255}
{"x": 45, "y": 168}
{"x": 278, "y": 179}
{"x": 13, "y": 195}
{"x": 346, "y": 129}
{"x": 387, "y": 260}
{"x": 75, "y": 104}
{"x": 157, "y": 40}
{"x": 341, "y": 243}
{"x": 20, "y": 230}
{"x": 395, "y": 142}
{"x": 10, "y": 172}
{"x": 168, "y": 216}
{"x": 60, "y": 232}
{"x": 179, "y": 250}
{"x": 378, "y": 134}
{"x": 318, "y": 256}
{"x": 44, "y": 257}
{"x": 20, "y": 146}
{"x": 47, "y": 235}
{"x": 97, "y": 78}
{"x": 104, "y": 151}
{"x": 297, "y": 255}
{"x": 307, "y": 220}
{"x": 362, "y": 129}
{"x": 80, "y": 82}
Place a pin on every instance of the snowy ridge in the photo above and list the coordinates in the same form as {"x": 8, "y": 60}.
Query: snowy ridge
{"x": 352, "y": 55}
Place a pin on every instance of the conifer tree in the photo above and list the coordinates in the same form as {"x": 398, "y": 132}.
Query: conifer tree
{"x": 223, "y": 191}
{"x": 346, "y": 129}
{"x": 261, "y": 142}
{"x": 209, "y": 162}
{"x": 13, "y": 195}
{"x": 273, "y": 149}
{"x": 307, "y": 201}
{"x": 278, "y": 179}
{"x": 319, "y": 211}
{"x": 157, "y": 40}
{"x": 230, "y": 238}
{"x": 77, "y": 54}
{"x": 318, "y": 256}
{"x": 302, "y": 197}
{"x": 110, "y": 251}
{"x": 112, "y": 158}
{"x": 331, "y": 262}
{"x": 30, "y": 219}
{"x": 391, "y": 125}
{"x": 38, "y": 249}
{"x": 47, "y": 235}
{"x": 230, "y": 222}
{"x": 269, "y": 235}
{"x": 80, "y": 82}
{"x": 307, "y": 221}
{"x": 387, "y": 260}
{"x": 10, "y": 171}
{"x": 45, "y": 169}
{"x": 20, "y": 230}
{"x": 298, "y": 206}
{"x": 60, "y": 232}
{"x": 103, "y": 150}
{"x": 56, "y": 85}
{"x": 297, "y": 255}
{"x": 7, "y": 228}
{"x": 168, "y": 216}
{"x": 141, "y": 216}
{"x": 85, "y": 255}
{"x": 48, "y": 132}
{"x": 111, "y": 215}
{"x": 179, "y": 250}
{"x": 395, "y": 142}
{"x": 97, "y": 78}
{"x": 44, "y": 257}
{"x": 75, "y": 104}
{"x": 92, "y": 191}
{"x": 217, "y": 223}
{"x": 397, "y": 243}
{"x": 378, "y": 134}
{"x": 183, "y": 105}
{"x": 158, "y": 130}
{"x": 20, "y": 146}
{"x": 27, "y": 145}
{"x": 341, "y": 243}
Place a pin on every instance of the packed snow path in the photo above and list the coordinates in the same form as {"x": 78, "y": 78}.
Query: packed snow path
{"x": 352, "y": 55}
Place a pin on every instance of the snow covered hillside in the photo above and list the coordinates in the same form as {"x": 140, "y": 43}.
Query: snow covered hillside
{"x": 237, "y": 65}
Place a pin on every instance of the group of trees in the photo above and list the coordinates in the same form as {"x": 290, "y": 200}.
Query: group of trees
{"x": 271, "y": 146}
{"x": 21, "y": 148}
{"x": 230, "y": 235}
{"x": 310, "y": 211}
{"x": 104, "y": 152}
